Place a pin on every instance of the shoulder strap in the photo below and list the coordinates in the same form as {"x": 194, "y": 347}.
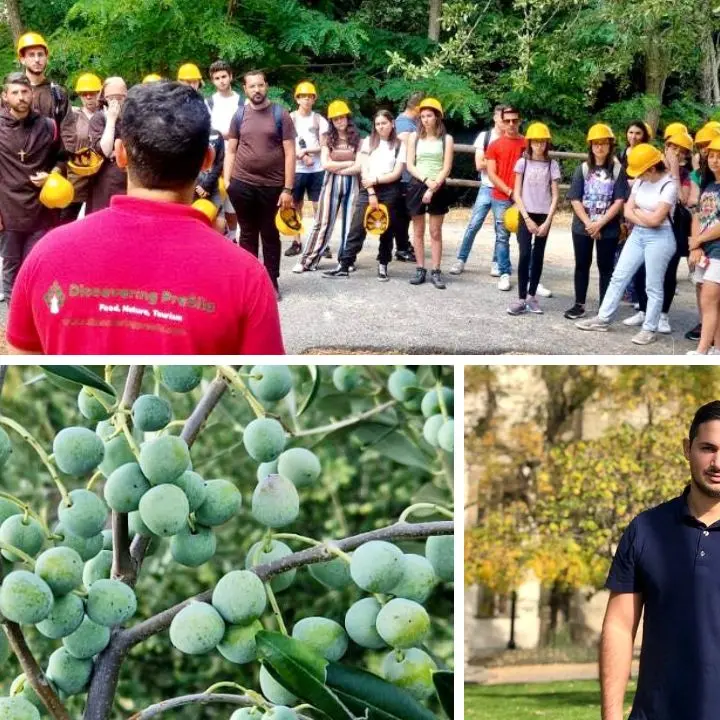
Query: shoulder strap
{"x": 53, "y": 127}
{"x": 240, "y": 115}
{"x": 57, "y": 99}
{"x": 316, "y": 124}
{"x": 277, "y": 112}
{"x": 617, "y": 167}
{"x": 210, "y": 103}
{"x": 585, "y": 170}
{"x": 486, "y": 139}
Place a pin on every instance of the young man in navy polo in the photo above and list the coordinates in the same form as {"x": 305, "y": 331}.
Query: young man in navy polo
{"x": 668, "y": 565}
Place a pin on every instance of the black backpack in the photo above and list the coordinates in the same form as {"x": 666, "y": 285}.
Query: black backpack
{"x": 277, "y": 113}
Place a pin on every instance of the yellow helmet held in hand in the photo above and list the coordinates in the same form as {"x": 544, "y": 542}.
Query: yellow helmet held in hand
{"x": 28, "y": 40}
{"x": 85, "y": 162}
{"x": 305, "y": 88}
{"x": 600, "y": 131}
{"x": 57, "y": 192}
{"x": 673, "y": 129}
{"x": 641, "y": 158}
{"x": 337, "y": 108}
{"x": 189, "y": 72}
{"x": 681, "y": 139}
{"x": 706, "y": 135}
{"x": 151, "y": 78}
{"x": 377, "y": 221}
{"x": 289, "y": 222}
{"x": 431, "y": 103}
{"x": 222, "y": 189}
{"x": 207, "y": 208}
{"x": 538, "y": 131}
{"x": 511, "y": 219}
{"x": 88, "y": 83}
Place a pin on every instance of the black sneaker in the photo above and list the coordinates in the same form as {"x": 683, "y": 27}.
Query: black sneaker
{"x": 327, "y": 253}
{"x": 340, "y": 271}
{"x": 419, "y": 278}
{"x": 436, "y": 279}
{"x": 405, "y": 256}
{"x": 694, "y": 334}
{"x": 382, "y": 273}
{"x": 575, "y": 312}
{"x": 294, "y": 249}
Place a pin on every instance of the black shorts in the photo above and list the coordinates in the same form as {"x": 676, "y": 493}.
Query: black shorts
{"x": 439, "y": 203}
{"x": 312, "y": 182}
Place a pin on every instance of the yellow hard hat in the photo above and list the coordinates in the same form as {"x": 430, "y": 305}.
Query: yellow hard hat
{"x": 305, "y": 88}
{"x": 222, "y": 190}
{"x": 511, "y": 219}
{"x": 376, "y": 222}
{"x": 87, "y": 83}
{"x": 538, "y": 131}
{"x": 705, "y": 135}
{"x": 189, "y": 71}
{"x": 207, "y": 208}
{"x": 715, "y": 144}
{"x": 681, "y": 139}
{"x": 289, "y": 222}
{"x": 600, "y": 131}
{"x": 641, "y": 158}
{"x": 85, "y": 162}
{"x": 674, "y": 128}
{"x": 151, "y": 78}
{"x": 337, "y": 108}
{"x": 650, "y": 131}
{"x": 30, "y": 39}
{"x": 57, "y": 192}
{"x": 432, "y": 104}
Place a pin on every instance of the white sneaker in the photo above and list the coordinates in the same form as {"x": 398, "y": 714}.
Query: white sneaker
{"x": 644, "y": 337}
{"x": 542, "y": 291}
{"x": 494, "y": 270}
{"x": 664, "y": 324}
{"x": 634, "y": 320}
{"x": 713, "y": 351}
{"x": 298, "y": 268}
{"x": 457, "y": 268}
{"x": 695, "y": 352}
{"x": 504, "y": 282}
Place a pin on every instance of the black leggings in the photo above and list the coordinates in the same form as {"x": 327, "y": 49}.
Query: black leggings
{"x": 583, "y": 245}
{"x": 529, "y": 272}
{"x": 669, "y": 284}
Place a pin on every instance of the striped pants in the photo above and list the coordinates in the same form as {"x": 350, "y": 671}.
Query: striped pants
{"x": 337, "y": 195}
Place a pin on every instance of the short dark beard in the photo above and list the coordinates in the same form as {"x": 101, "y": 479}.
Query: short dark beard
{"x": 706, "y": 490}
{"x": 259, "y": 103}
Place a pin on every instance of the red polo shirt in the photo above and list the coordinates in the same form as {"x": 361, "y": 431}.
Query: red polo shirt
{"x": 143, "y": 277}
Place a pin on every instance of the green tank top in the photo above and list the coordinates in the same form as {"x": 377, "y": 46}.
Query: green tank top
{"x": 429, "y": 157}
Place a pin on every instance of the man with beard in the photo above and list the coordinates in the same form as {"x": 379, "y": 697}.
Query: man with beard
{"x": 29, "y": 149}
{"x": 668, "y": 564}
{"x": 260, "y": 170}
{"x": 104, "y": 132}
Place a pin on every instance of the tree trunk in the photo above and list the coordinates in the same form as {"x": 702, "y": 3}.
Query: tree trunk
{"x": 434, "y": 20}
{"x": 14, "y": 20}
{"x": 655, "y": 78}
{"x": 710, "y": 66}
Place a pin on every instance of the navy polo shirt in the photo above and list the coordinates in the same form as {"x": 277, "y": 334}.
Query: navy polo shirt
{"x": 673, "y": 561}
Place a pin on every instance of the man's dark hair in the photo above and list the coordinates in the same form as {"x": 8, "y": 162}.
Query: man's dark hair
{"x": 414, "y": 100}
{"x": 16, "y": 78}
{"x": 509, "y": 110}
{"x": 250, "y": 73}
{"x": 165, "y": 127}
{"x": 708, "y": 412}
{"x": 499, "y": 108}
{"x": 220, "y": 66}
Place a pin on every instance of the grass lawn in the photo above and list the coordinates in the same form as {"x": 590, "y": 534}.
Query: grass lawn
{"x": 555, "y": 701}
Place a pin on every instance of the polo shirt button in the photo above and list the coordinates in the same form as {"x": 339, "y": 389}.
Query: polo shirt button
{"x": 706, "y": 533}
{"x": 702, "y": 553}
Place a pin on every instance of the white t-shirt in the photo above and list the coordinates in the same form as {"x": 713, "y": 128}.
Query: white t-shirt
{"x": 309, "y": 128}
{"x": 383, "y": 159}
{"x": 648, "y": 195}
{"x": 222, "y": 111}
{"x": 480, "y": 144}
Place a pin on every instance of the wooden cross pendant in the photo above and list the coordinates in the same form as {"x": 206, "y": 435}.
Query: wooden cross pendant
{"x": 22, "y": 155}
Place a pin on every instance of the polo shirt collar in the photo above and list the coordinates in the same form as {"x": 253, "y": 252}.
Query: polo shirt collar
{"x": 686, "y": 517}
{"x": 155, "y": 208}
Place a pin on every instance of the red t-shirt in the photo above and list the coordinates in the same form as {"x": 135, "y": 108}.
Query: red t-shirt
{"x": 143, "y": 277}
{"x": 505, "y": 151}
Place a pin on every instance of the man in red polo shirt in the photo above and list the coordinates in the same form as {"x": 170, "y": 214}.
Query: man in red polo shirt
{"x": 148, "y": 274}
{"x": 501, "y": 156}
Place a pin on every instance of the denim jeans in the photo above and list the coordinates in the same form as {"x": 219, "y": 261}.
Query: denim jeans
{"x": 480, "y": 210}
{"x": 502, "y": 236}
{"x": 653, "y": 246}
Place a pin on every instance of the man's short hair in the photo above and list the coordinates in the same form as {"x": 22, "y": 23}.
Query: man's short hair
{"x": 414, "y": 100}
{"x": 165, "y": 127}
{"x": 220, "y": 66}
{"x": 509, "y": 110}
{"x": 708, "y": 412}
{"x": 250, "y": 73}
{"x": 16, "y": 78}
{"x": 499, "y": 109}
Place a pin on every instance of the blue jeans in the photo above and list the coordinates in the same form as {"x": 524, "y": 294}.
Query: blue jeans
{"x": 480, "y": 210}
{"x": 653, "y": 246}
{"x": 502, "y": 236}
